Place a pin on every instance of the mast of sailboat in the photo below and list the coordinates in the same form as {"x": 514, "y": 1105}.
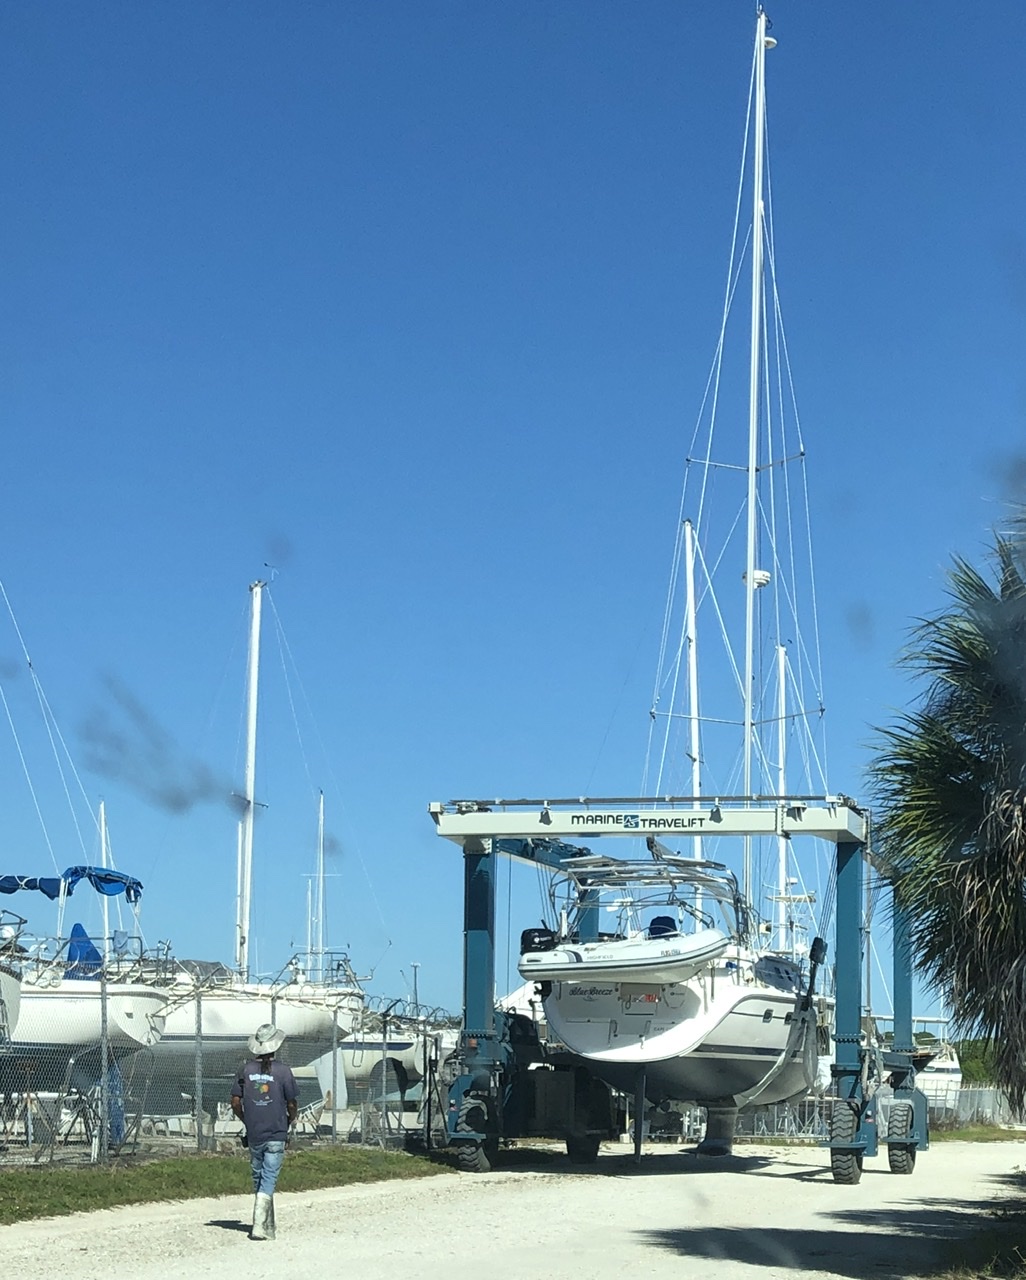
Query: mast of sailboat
{"x": 691, "y": 637}
{"x": 249, "y": 797}
{"x": 104, "y": 864}
{"x": 762, "y": 43}
{"x": 319, "y": 918}
{"x": 782, "y": 885}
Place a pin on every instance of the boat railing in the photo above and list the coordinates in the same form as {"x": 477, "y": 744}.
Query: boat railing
{"x": 12, "y": 928}
{"x": 323, "y": 969}
{"x": 46, "y": 961}
{"x": 706, "y": 892}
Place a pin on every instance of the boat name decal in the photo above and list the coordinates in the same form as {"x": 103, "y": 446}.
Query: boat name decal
{"x": 589, "y": 993}
{"x": 637, "y": 821}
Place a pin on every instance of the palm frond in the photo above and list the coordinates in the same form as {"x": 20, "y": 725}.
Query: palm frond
{"x": 949, "y": 791}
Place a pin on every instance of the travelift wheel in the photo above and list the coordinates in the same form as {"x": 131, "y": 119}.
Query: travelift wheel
{"x": 900, "y": 1156}
{"x": 846, "y": 1166}
{"x": 473, "y": 1157}
{"x": 582, "y": 1148}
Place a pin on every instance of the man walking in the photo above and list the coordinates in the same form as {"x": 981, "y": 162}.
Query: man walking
{"x": 264, "y": 1099}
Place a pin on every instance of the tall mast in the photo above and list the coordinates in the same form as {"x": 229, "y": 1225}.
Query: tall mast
{"x": 691, "y": 632}
{"x": 319, "y": 919}
{"x": 782, "y": 885}
{"x": 249, "y": 798}
{"x": 104, "y": 863}
{"x": 754, "y": 388}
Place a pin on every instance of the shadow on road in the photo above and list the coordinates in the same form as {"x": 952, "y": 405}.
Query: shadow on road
{"x": 619, "y": 1164}
{"x": 838, "y": 1252}
{"x": 228, "y": 1224}
{"x": 900, "y": 1240}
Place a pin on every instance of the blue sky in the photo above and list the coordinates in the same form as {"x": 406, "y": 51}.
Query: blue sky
{"x": 415, "y": 301}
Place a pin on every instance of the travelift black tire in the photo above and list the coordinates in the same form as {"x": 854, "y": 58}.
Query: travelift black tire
{"x": 900, "y": 1156}
{"x": 473, "y": 1157}
{"x": 582, "y": 1149}
{"x": 846, "y": 1166}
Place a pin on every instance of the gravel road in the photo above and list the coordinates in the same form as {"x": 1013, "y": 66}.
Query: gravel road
{"x": 760, "y": 1214}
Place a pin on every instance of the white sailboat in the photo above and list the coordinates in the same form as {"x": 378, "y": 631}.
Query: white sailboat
{"x": 694, "y": 992}
{"x": 11, "y": 926}
{"x": 66, "y": 1008}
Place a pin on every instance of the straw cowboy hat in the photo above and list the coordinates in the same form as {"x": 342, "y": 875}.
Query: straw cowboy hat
{"x": 265, "y": 1039}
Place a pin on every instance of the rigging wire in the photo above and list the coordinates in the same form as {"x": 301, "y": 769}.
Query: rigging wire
{"x": 58, "y": 744}
{"x": 286, "y": 649}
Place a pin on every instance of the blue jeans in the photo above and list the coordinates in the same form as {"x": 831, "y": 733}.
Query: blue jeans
{"x": 266, "y": 1160}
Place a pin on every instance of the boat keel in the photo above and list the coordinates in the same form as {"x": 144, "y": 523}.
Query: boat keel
{"x": 720, "y": 1123}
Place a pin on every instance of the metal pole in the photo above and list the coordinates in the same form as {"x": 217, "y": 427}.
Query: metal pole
{"x": 334, "y": 1074}
{"x": 639, "y": 1113}
{"x": 427, "y": 1086}
{"x": 104, "y": 1070}
{"x": 198, "y": 1088}
{"x": 384, "y": 1076}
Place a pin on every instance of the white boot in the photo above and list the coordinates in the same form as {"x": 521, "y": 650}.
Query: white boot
{"x": 269, "y": 1225}
{"x": 261, "y": 1210}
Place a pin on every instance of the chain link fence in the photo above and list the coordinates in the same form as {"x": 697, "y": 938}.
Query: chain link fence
{"x": 137, "y": 1055}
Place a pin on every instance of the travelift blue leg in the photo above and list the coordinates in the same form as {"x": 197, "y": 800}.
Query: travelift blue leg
{"x": 916, "y": 1134}
{"x": 848, "y": 960}
{"x": 853, "y": 1121}
{"x": 478, "y": 955}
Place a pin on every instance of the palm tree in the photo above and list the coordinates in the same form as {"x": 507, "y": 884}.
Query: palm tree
{"x": 949, "y": 786}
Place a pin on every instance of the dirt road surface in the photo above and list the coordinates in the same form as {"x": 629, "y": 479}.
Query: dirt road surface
{"x": 758, "y": 1215}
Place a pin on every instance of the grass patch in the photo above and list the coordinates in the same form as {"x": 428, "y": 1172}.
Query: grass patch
{"x": 975, "y": 1133}
{"x": 44, "y": 1192}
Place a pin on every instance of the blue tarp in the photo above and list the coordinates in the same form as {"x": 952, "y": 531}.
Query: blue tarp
{"x": 103, "y": 881}
{"x": 84, "y": 961}
{"x": 50, "y": 885}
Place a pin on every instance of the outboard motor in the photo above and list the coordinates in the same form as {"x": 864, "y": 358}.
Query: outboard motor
{"x": 541, "y": 939}
{"x": 662, "y": 926}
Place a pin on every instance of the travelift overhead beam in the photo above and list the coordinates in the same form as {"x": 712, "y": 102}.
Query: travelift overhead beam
{"x": 834, "y": 818}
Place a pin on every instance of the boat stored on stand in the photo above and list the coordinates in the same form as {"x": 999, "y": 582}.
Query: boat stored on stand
{"x": 76, "y": 1004}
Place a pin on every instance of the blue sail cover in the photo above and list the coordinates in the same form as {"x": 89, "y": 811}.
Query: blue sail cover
{"x": 50, "y": 885}
{"x": 104, "y": 881}
{"x": 84, "y": 961}
{"x": 109, "y": 883}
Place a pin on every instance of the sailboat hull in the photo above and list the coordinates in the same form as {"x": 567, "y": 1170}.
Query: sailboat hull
{"x": 10, "y": 1002}
{"x": 737, "y": 1034}
{"x": 230, "y": 1015}
{"x": 57, "y": 1040}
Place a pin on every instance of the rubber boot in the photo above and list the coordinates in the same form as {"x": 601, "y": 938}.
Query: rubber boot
{"x": 269, "y": 1225}
{"x": 261, "y": 1208}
